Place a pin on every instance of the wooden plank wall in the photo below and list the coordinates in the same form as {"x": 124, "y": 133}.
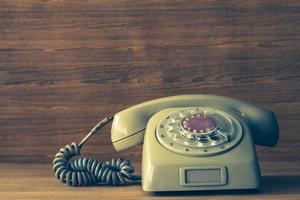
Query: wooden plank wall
{"x": 66, "y": 64}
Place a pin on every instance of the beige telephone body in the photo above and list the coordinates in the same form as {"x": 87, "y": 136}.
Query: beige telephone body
{"x": 191, "y": 142}
{"x": 196, "y": 142}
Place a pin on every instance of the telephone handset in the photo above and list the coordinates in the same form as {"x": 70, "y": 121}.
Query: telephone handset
{"x": 191, "y": 142}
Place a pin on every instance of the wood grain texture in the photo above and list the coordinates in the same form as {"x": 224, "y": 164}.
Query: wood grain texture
{"x": 35, "y": 181}
{"x": 66, "y": 64}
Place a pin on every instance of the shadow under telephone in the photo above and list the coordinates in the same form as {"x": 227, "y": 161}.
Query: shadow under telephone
{"x": 190, "y": 142}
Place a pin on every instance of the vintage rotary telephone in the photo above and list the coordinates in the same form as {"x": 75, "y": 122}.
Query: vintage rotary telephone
{"x": 191, "y": 142}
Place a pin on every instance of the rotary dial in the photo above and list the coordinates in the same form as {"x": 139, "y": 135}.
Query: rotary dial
{"x": 199, "y": 131}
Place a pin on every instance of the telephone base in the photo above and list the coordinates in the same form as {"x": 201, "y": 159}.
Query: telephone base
{"x": 165, "y": 170}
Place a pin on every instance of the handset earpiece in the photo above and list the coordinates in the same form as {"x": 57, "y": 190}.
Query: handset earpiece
{"x": 263, "y": 123}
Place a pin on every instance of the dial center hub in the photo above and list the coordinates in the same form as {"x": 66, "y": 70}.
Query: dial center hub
{"x": 199, "y": 123}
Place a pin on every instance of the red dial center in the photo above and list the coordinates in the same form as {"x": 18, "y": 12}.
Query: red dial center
{"x": 199, "y": 123}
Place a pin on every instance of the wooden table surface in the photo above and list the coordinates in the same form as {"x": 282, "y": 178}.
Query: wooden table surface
{"x": 35, "y": 181}
{"x": 66, "y": 64}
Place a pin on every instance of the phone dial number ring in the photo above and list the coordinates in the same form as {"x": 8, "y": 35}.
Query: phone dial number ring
{"x": 199, "y": 131}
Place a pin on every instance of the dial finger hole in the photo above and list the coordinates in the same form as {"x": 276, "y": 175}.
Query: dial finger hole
{"x": 215, "y": 137}
{"x": 203, "y": 139}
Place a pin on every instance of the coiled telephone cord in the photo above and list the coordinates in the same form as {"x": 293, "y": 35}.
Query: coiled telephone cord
{"x": 86, "y": 171}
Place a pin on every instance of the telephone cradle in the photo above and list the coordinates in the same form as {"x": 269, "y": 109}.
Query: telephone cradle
{"x": 190, "y": 142}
